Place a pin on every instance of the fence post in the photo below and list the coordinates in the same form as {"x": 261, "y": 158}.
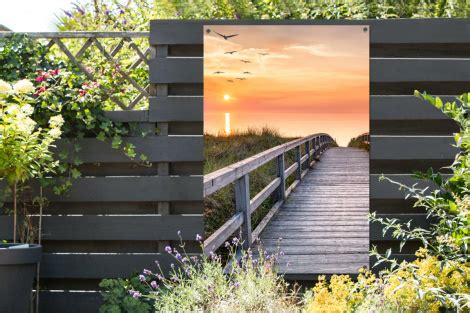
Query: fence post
{"x": 281, "y": 175}
{"x": 242, "y": 204}
{"x": 307, "y": 148}
{"x": 299, "y": 162}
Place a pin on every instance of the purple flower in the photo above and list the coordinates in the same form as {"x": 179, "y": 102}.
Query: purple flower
{"x": 198, "y": 237}
{"x": 236, "y": 284}
{"x": 178, "y": 256}
{"x": 227, "y": 244}
{"x": 154, "y": 284}
{"x": 168, "y": 249}
{"x": 235, "y": 241}
{"x": 142, "y": 277}
{"x": 135, "y": 294}
{"x": 67, "y": 13}
{"x": 156, "y": 262}
{"x": 147, "y": 272}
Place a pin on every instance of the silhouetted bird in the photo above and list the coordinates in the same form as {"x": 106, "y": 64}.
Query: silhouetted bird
{"x": 230, "y": 80}
{"x": 218, "y": 72}
{"x": 263, "y": 53}
{"x": 245, "y": 61}
{"x": 230, "y": 52}
{"x": 241, "y": 78}
{"x": 225, "y": 36}
{"x": 246, "y": 72}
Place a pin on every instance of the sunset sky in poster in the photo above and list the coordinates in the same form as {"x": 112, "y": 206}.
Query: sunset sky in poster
{"x": 313, "y": 79}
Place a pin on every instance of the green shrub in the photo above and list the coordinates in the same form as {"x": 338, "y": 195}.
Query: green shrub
{"x": 242, "y": 283}
{"x": 438, "y": 280}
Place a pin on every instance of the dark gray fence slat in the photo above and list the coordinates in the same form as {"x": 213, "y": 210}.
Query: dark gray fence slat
{"x": 128, "y": 116}
{"x": 70, "y": 302}
{"x": 181, "y": 109}
{"x": 412, "y": 148}
{"x": 130, "y": 189}
{"x": 419, "y": 70}
{"x": 155, "y": 148}
{"x": 405, "y": 108}
{"x": 104, "y": 265}
{"x": 176, "y": 70}
{"x": 386, "y": 190}
{"x": 376, "y": 229}
{"x": 91, "y": 227}
{"x": 169, "y": 32}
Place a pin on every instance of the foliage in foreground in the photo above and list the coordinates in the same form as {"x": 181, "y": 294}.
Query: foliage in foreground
{"x": 208, "y": 284}
{"x": 439, "y": 279}
{"x": 135, "y": 15}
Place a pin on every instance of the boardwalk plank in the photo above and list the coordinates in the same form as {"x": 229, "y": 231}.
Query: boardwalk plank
{"x": 323, "y": 223}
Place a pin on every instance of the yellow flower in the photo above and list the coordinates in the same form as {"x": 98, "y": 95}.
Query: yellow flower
{"x": 5, "y": 88}
{"x": 23, "y": 86}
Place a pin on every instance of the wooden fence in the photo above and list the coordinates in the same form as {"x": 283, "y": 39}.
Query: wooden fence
{"x": 239, "y": 175}
{"x": 406, "y": 134}
{"x": 119, "y": 217}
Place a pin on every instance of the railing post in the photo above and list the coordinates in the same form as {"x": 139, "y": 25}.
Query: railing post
{"x": 242, "y": 204}
{"x": 299, "y": 162}
{"x": 307, "y": 147}
{"x": 281, "y": 175}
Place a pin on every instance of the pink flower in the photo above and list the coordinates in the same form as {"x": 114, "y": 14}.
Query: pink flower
{"x": 82, "y": 93}
{"x": 40, "y": 90}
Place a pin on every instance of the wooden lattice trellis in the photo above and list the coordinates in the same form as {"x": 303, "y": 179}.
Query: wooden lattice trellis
{"x": 93, "y": 40}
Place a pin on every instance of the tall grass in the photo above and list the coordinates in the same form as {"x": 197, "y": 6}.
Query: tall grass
{"x": 221, "y": 151}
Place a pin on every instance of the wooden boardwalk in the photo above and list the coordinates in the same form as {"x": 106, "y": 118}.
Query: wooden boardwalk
{"x": 323, "y": 223}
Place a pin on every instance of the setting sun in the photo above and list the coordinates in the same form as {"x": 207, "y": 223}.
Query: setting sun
{"x": 226, "y": 97}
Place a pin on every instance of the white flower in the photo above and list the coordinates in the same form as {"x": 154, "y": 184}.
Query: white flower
{"x": 13, "y": 109}
{"x": 27, "y": 109}
{"x": 27, "y": 125}
{"x": 56, "y": 121}
{"x": 5, "y": 87}
{"x": 23, "y": 86}
{"x": 55, "y": 132}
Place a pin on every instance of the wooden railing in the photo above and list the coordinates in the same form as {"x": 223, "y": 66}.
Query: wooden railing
{"x": 238, "y": 174}
{"x": 108, "y": 45}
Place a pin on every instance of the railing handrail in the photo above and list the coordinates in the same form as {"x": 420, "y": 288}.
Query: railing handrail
{"x": 227, "y": 175}
{"x": 239, "y": 174}
{"x": 76, "y": 34}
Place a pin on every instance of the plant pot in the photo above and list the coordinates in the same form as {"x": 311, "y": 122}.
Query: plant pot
{"x": 17, "y": 271}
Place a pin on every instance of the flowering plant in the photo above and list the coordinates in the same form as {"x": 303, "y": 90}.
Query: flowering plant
{"x": 241, "y": 282}
{"x": 79, "y": 102}
{"x": 25, "y": 147}
{"x": 437, "y": 280}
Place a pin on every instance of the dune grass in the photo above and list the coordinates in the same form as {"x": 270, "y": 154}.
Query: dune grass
{"x": 221, "y": 151}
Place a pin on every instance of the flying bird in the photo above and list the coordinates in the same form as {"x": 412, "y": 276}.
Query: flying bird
{"x": 241, "y": 78}
{"x": 230, "y": 52}
{"x": 246, "y": 72}
{"x": 218, "y": 72}
{"x": 245, "y": 61}
{"x": 225, "y": 36}
{"x": 263, "y": 53}
{"x": 230, "y": 80}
